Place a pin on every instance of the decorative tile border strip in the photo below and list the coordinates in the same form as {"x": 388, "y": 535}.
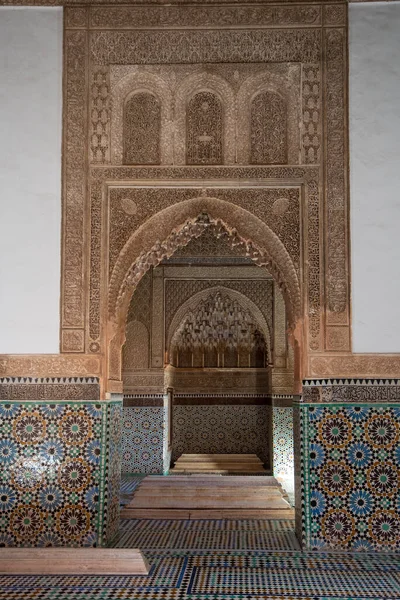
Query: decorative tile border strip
{"x": 49, "y": 388}
{"x": 351, "y": 390}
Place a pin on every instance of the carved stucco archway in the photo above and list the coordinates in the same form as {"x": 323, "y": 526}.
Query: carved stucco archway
{"x": 192, "y": 303}
{"x": 161, "y": 235}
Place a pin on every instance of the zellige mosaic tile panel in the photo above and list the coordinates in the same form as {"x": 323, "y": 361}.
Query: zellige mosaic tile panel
{"x": 50, "y": 455}
{"x": 352, "y": 476}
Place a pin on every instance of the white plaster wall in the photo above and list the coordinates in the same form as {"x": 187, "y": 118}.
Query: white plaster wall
{"x": 30, "y": 178}
{"x": 374, "y": 52}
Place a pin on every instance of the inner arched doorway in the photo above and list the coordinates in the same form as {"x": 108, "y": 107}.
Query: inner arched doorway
{"x": 270, "y": 255}
{"x": 172, "y": 228}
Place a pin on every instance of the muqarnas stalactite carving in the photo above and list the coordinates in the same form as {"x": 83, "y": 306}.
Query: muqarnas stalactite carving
{"x": 220, "y": 333}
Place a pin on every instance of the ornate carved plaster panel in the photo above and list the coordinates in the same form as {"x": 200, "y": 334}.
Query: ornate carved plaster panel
{"x": 241, "y": 15}
{"x": 135, "y": 17}
{"x": 205, "y": 46}
{"x": 49, "y": 365}
{"x": 309, "y": 39}
{"x": 354, "y": 365}
{"x": 285, "y": 223}
{"x": 208, "y": 246}
{"x": 129, "y": 208}
{"x": 248, "y": 381}
{"x": 233, "y": 84}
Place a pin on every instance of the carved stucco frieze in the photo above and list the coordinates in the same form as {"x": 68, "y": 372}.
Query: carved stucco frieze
{"x": 49, "y": 365}
{"x": 299, "y": 17}
{"x": 157, "y": 324}
{"x": 100, "y": 116}
{"x": 191, "y": 46}
{"x": 354, "y": 365}
{"x": 136, "y": 17}
{"x": 279, "y": 329}
{"x": 311, "y": 126}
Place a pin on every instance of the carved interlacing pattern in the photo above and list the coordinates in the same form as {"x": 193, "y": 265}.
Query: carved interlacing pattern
{"x": 135, "y": 352}
{"x": 140, "y": 306}
{"x": 336, "y": 206}
{"x": 268, "y": 130}
{"x": 191, "y": 46}
{"x": 277, "y": 208}
{"x": 287, "y": 53}
{"x": 49, "y": 365}
{"x": 142, "y": 129}
{"x": 311, "y": 109}
{"x": 192, "y": 16}
{"x": 122, "y": 288}
{"x": 207, "y": 245}
{"x": 75, "y": 170}
{"x": 204, "y": 130}
{"x": 314, "y": 269}
{"x": 203, "y": 107}
{"x": 279, "y": 329}
{"x": 100, "y": 116}
{"x": 95, "y": 267}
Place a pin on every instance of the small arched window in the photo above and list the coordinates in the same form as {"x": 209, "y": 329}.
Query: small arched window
{"x": 268, "y": 129}
{"x": 204, "y": 130}
{"x": 142, "y": 129}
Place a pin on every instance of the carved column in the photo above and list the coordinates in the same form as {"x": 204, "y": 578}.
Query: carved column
{"x": 279, "y": 353}
{"x": 157, "y": 320}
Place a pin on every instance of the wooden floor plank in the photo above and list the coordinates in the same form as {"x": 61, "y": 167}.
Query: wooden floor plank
{"x": 72, "y": 561}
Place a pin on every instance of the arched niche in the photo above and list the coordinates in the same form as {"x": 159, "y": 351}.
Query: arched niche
{"x": 205, "y": 83}
{"x": 174, "y": 227}
{"x": 141, "y": 83}
{"x": 268, "y": 129}
{"x": 142, "y": 129}
{"x": 204, "y": 129}
{"x": 281, "y": 87}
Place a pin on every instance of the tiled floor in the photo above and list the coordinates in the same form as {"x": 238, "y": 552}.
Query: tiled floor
{"x": 234, "y": 575}
{"x": 221, "y": 560}
{"x": 207, "y": 535}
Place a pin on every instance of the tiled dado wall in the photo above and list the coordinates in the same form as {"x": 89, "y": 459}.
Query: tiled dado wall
{"x": 59, "y": 463}
{"x": 144, "y": 447}
{"x": 222, "y": 428}
{"x": 283, "y": 461}
{"x": 350, "y": 465}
